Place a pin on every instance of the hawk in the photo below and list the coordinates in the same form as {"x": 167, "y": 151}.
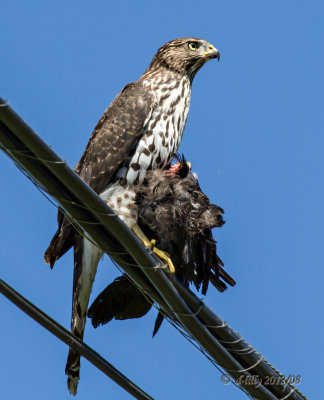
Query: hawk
{"x": 141, "y": 130}
{"x": 173, "y": 210}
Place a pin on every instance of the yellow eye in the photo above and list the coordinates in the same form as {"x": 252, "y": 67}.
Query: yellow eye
{"x": 193, "y": 46}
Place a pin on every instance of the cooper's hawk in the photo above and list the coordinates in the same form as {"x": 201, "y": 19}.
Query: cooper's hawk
{"x": 173, "y": 210}
{"x": 141, "y": 130}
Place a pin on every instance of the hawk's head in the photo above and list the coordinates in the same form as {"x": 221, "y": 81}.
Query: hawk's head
{"x": 184, "y": 55}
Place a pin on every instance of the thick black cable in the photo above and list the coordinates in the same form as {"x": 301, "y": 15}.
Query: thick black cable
{"x": 58, "y": 178}
{"x": 19, "y": 139}
{"x": 72, "y": 341}
{"x": 244, "y": 352}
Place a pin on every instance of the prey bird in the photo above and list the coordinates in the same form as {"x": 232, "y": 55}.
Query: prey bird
{"x": 174, "y": 211}
{"x": 141, "y": 130}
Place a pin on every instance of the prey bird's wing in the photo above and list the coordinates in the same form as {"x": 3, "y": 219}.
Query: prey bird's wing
{"x": 120, "y": 300}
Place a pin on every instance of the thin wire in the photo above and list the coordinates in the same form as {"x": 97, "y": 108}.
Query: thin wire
{"x": 71, "y": 340}
{"x": 64, "y": 200}
{"x": 187, "y": 336}
{"x": 231, "y": 341}
{"x": 166, "y": 313}
{"x": 191, "y": 314}
{"x": 26, "y": 153}
{"x": 40, "y": 187}
{"x": 174, "y": 323}
{"x": 241, "y": 351}
{"x": 220, "y": 368}
{"x": 146, "y": 295}
{"x": 292, "y": 390}
{"x": 183, "y": 332}
{"x": 72, "y": 221}
{"x": 45, "y": 193}
{"x": 248, "y": 368}
{"x": 217, "y": 326}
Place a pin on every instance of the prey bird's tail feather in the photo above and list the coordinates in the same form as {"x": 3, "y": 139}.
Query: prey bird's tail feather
{"x": 158, "y": 323}
{"x": 86, "y": 258}
{"x": 226, "y": 278}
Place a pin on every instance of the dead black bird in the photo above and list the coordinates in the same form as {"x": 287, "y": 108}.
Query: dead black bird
{"x": 173, "y": 210}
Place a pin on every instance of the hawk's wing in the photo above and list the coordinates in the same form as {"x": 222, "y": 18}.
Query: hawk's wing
{"x": 112, "y": 141}
{"x": 115, "y": 135}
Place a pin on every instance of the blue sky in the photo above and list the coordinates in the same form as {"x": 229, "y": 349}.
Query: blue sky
{"x": 255, "y": 137}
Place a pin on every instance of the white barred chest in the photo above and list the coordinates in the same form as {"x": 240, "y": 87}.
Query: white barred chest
{"x": 163, "y": 132}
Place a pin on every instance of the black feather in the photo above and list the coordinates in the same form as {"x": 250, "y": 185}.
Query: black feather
{"x": 120, "y": 300}
{"x": 175, "y": 212}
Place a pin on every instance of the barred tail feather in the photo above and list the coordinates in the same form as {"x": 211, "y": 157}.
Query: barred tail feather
{"x": 86, "y": 258}
{"x": 72, "y": 369}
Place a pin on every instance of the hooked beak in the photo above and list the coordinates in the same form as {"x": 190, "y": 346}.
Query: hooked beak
{"x": 212, "y": 53}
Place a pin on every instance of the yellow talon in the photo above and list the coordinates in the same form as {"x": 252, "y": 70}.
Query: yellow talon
{"x": 166, "y": 257}
{"x": 150, "y": 244}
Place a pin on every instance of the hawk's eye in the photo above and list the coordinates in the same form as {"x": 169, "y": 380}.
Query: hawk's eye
{"x": 193, "y": 46}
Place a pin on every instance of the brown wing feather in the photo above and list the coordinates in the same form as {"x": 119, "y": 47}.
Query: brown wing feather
{"x": 115, "y": 136}
{"x": 111, "y": 142}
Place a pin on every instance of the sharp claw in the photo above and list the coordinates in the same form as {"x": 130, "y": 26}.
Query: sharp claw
{"x": 166, "y": 257}
{"x": 150, "y": 244}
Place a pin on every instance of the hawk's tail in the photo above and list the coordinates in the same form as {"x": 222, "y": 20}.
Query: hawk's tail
{"x": 72, "y": 370}
{"x": 86, "y": 258}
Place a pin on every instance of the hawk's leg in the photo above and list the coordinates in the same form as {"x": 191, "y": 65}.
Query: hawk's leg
{"x": 150, "y": 244}
{"x": 165, "y": 257}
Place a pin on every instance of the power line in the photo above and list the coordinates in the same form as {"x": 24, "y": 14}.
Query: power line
{"x": 219, "y": 342}
{"x": 72, "y": 341}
